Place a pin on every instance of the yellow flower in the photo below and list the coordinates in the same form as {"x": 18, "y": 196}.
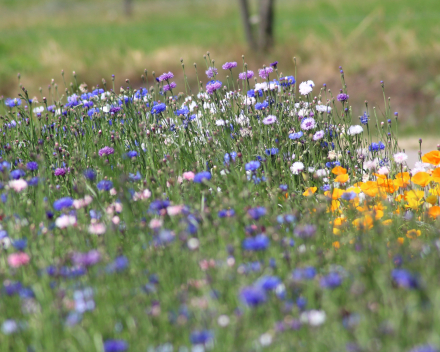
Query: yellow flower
{"x": 309, "y": 191}
{"x": 432, "y": 157}
{"x": 400, "y": 240}
{"x": 336, "y": 231}
{"x": 387, "y": 222}
{"x": 413, "y": 233}
{"x": 336, "y": 244}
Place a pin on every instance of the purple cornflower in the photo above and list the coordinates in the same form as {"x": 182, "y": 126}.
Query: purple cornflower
{"x": 17, "y": 174}
{"x": 332, "y": 280}
{"x": 252, "y": 165}
{"x": 403, "y": 278}
{"x": 308, "y": 124}
{"x": 268, "y": 283}
{"x": 264, "y": 72}
{"x": 211, "y": 72}
{"x": 89, "y": 174}
{"x": 166, "y": 76}
{"x": 343, "y": 97}
{"x": 274, "y": 64}
{"x": 86, "y": 259}
{"x": 348, "y": 195}
{"x": 106, "y": 151}
{"x": 253, "y": 296}
{"x": 201, "y": 176}
{"x": 32, "y": 166}
{"x": 307, "y": 273}
{"x": 246, "y": 75}
{"x": 364, "y": 118}
{"x": 115, "y": 109}
{"x": 170, "y": 86}
{"x": 229, "y": 65}
{"x": 115, "y": 346}
{"x": 318, "y": 135}
{"x": 60, "y": 171}
{"x": 212, "y": 87}
{"x": 305, "y": 231}
{"x": 269, "y": 120}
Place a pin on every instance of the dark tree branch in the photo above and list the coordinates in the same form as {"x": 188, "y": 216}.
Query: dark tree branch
{"x": 244, "y": 9}
{"x": 265, "y": 34}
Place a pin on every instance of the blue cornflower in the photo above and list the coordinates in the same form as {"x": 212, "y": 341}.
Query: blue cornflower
{"x": 201, "y": 337}
{"x": 119, "y": 264}
{"x": 134, "y": 178}
{"x": 374, "y": 147}
{"x": 325, "y": 187}
{"x": 307, "y": 273}
{"x": 62, "y": 203}
{"x": 257, "y": 243}
{"x": 105, "y": 185}
{"x": 158, "y": 108}
{"x": 260, "y": 106}
{"x": 90, "y": 174}
{"x": 92, "y": 111}
{"x": 16, "y": 174}
{"x": 184, "y": 111}
{"x": 256, "y": 213}
{"x": 20, "y": 244}
{"x": 226, "y": 213}
{"x": 332, "y": 164}
{"x": 287, "y": 81}
{"x": 115, "y": 346}
{"x": 252, "y": 296}
{"x": 403, "y": 278}
{"x": 159, "y": 204}
{"x": 301, "y": 302}
{"x": 364, "y": 118}
{"x": 228, "y": 156}
{"x": 204, "y": 175}
{"x": 283, "y": 188}
{"x": 272, "y": 151}
{"x": 12, "y": 102}
{"x": 348, "y": 195}
{"x": 32, "y": 166}
{"x": 131, "y": 154}
{"x": 332, "y": 280}
{"x": 296, "y": 135}
{"x": 5, "y": 165}
{"x": 252, "y": 165}
{"x": 268, "y": 282}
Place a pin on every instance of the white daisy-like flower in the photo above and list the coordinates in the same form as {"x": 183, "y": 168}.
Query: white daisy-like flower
{"x": 323, "y": 108}
{"x": 322, "y": 172}
{"x": 371, "y": 164}
{"x": 318, "y": 135}
{"x": 306, "y": 87}
{"x": 399, "y": 158}
{"x": 313, "y": 317}
{"x": 297, "y": 167}
{"x": 354, "y": 130}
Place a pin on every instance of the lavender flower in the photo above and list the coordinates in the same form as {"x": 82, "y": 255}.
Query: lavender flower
{"x": 32, "y": 166}
{"x": 269, "y": 120}
{"x": 86, "y": 259}
{"x": 115, "y": 345}
{"x": 246, "y": 75}
{"x": 308, "y": 124}
{"x": 332, "y": 280}
{"x": 229, "y": 65}
{"x": 212, "y": 87}
{"x": 253, "y": 296}
{"x": 170, "y": 86}
{"x": 343, "y": 97}
{"x": 318, "y": 135}
{"x": 60, "y": 171}
{"x": 264, "y": 72}
{"x": 106, "y": 151}
{"x": 105, "y": 185}
{"x": 211, "y": 72}
{"x": 305, "y": 231}
{"x": 166, "y": 76}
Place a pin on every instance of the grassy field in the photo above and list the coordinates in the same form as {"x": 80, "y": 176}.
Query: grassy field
{"x": 393, "y": 41}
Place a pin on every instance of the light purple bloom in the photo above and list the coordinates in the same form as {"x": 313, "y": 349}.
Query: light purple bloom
{"x": 229, "y": 65}
{"x": 211, "y": 72}
{"x": 318, "y": 135}
{"x": 343, "y": 97}
{"x": 246, "y": 75}
{"x": 86, "y": 259}
{"x": 212, "y": 87}
{"x": 166, "y": 76}
{"x": 106, "y": 151}
{"x": 264, "y": 72}
{"x": 60, "y": 171}
{"x": 270, "y": 120}
{"x": 167, "y": 87}
{"x": 308, "y": 124}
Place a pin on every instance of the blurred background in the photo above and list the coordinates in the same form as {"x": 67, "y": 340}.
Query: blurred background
{"x": 396, "y": 41}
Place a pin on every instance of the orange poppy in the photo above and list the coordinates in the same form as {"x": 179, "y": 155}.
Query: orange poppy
{"x": 336, "y": 245}
{"x": 342, "y": 178}
{"x": 309, "y": 191}
{"x": 337, "y": 170}
{"x": 436, "y": 175}
{"x": 432, "y": 157}
{"x": 421, "y": 178}
{"x": 434, "y": 212}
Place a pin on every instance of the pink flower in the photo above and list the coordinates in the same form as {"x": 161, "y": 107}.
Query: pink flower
{"x": 383, "y": 170}
{"x": 16, "y": 260}
{"x": 115, "y": 220}
{"x": 97, "y": 229}
{"x": 65, "y": 221}
{"x": 18, "y": 185}
{"x": 188, "y": 175}
{"x": 155, "y": 223}
{"x": 174, "y": 210}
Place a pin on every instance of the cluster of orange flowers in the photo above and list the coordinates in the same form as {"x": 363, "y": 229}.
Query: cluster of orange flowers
{"x": 420, "y": 193}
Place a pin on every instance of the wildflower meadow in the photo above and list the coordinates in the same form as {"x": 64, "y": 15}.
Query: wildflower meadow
{"x": 255, "y": 212}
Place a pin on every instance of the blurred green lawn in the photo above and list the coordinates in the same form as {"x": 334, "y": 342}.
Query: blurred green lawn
{"x": 390, "y": 40}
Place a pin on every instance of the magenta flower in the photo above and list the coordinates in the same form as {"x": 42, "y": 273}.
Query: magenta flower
{"x": 264, "y": 72}
{"x": 170, "y": 86}
{"x": 212, "y": 87}
{"x": 106, "y": 151}
{"x": 60, "y": 171}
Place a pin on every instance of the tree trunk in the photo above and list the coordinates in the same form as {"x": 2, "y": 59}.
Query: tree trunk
{"x": 265, "y": 34}
{"x": 244, "y": 9}
{"x": 128, "y": 7}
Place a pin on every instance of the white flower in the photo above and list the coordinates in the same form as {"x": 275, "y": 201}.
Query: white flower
{"x": 223, "y": 320}
{"x": 399, "y": 158}
{"x": 306, "y": 87}
{"x": 371, "y": 164}
{"x": 303, "y": 113}
{"x": 297, "y": 167}
{"x": 65, "y": 221}
{"x": 318, "y": 135}
{"x": 261, "y": 86}
{"x": 293, "y": 156}
{"x": 323, "y": 108}
{"x": 322, "y": 172}
{"x": 220, "y": 122}
{"x": 310, "y": 169}
{"x": 384, "y": 170}
{"x": 332, "y": 155}
{"x": 18, "y": 185}
{"x": 313, "y": 317}
{"x": 266, "y": 339}
{"x": 354, "y": 130}
{"x": 38, "y": 109}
